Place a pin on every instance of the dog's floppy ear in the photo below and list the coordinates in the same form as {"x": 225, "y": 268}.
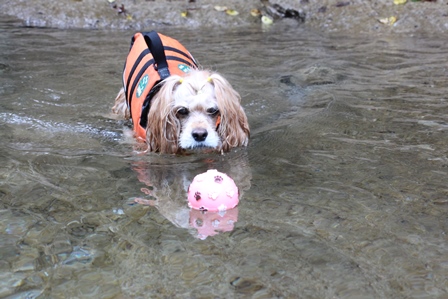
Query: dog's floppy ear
{"x": 121, "y": 106}
{"x": 163, "y": 128}
{"x": 234, "y": 127}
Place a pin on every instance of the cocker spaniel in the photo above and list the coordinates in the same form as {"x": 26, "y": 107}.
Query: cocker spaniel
{"x": 174, "y": 106}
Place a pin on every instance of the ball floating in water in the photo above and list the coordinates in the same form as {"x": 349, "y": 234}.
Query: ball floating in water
{"x": 212, "y": 191}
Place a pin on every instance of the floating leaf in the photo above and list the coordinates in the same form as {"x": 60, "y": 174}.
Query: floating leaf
{"x": 267, "y": 20}
{"x": 388, "y": 21}
{"x": 232, "y": 12}
{"x": 398, "y": 2}
{"x": 255, "y": 12}
{"x": 183, "y": 14}
{"x": 220, "y": 8}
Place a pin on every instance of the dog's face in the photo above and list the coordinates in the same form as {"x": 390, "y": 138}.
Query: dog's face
{"x": 198, "y": 111}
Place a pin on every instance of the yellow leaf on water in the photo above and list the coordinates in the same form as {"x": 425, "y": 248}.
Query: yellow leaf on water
{"x": 255, "y": 12}
{"x": 129, "y": 17}
{"x": 183, "y": 14}
{"x": 398, "y": 2}
{"x": 232, "y": 12}
{"x": 267, "y": 20}
{"x": 388, "y": 21}
{"x": 220, "y": 8}
{"x": 392, "y": 20}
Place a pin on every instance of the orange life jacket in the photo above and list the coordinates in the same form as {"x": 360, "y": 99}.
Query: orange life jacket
{"x": 152, "y": 58}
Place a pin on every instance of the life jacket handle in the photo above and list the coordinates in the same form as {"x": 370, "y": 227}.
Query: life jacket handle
{"x": 155, "y": 45}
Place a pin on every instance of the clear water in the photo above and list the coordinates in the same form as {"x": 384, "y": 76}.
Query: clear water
{"x": 345, "y": 178}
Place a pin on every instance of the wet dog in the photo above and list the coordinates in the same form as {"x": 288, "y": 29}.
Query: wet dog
{"x": 184, "y": 108}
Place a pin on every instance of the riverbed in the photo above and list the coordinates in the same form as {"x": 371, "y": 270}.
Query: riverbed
{"x": 343, "y": 183}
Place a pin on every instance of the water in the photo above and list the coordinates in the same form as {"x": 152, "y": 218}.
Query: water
{"x": 344, "y": 180}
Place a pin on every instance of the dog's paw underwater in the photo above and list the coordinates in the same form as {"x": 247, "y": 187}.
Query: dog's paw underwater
{"x": 175, "y": 106}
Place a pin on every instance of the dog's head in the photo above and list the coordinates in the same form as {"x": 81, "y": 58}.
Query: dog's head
{"x": 198, "y": 111}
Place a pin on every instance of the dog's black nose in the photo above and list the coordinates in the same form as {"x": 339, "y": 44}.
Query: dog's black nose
{"x": 199, "y": 134}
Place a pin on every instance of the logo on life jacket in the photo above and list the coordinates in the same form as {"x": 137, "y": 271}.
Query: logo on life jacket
{"x": 184, "y": 68}
{"x": 142, "y": 85}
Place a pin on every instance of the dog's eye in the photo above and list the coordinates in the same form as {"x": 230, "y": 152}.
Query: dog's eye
{"x": 212, "y": 111}
{"x": 182, "y": 111}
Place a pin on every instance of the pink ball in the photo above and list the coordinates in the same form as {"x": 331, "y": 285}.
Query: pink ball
{"x": 212, "y": 191}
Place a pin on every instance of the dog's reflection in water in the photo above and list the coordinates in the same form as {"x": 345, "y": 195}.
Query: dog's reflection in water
{"x": 166, "y": 185}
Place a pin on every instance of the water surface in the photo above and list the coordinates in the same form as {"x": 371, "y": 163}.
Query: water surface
{"x": 344, "y": 180}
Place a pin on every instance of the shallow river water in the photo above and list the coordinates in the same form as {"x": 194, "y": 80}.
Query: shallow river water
{"x": 344, "y": 181}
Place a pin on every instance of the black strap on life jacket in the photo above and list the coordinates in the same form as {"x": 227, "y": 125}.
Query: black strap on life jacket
{"x": 155, "y": 45}
{"x": 147, "y": 104}
{"x": 134, "y": 67}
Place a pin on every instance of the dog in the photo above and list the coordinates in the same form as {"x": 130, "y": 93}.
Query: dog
{"x": 175, "y": 106}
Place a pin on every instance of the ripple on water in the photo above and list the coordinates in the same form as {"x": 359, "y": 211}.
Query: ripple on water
{"x": 344, "y": 177}
{"x": 48, "y": 129}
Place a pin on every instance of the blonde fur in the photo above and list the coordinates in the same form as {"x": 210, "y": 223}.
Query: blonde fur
{"x": 121, "y": 107}
{"x": 197, "y": 91}
{"x": 234, "y": 127}
{"x": 163, "y": 128}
